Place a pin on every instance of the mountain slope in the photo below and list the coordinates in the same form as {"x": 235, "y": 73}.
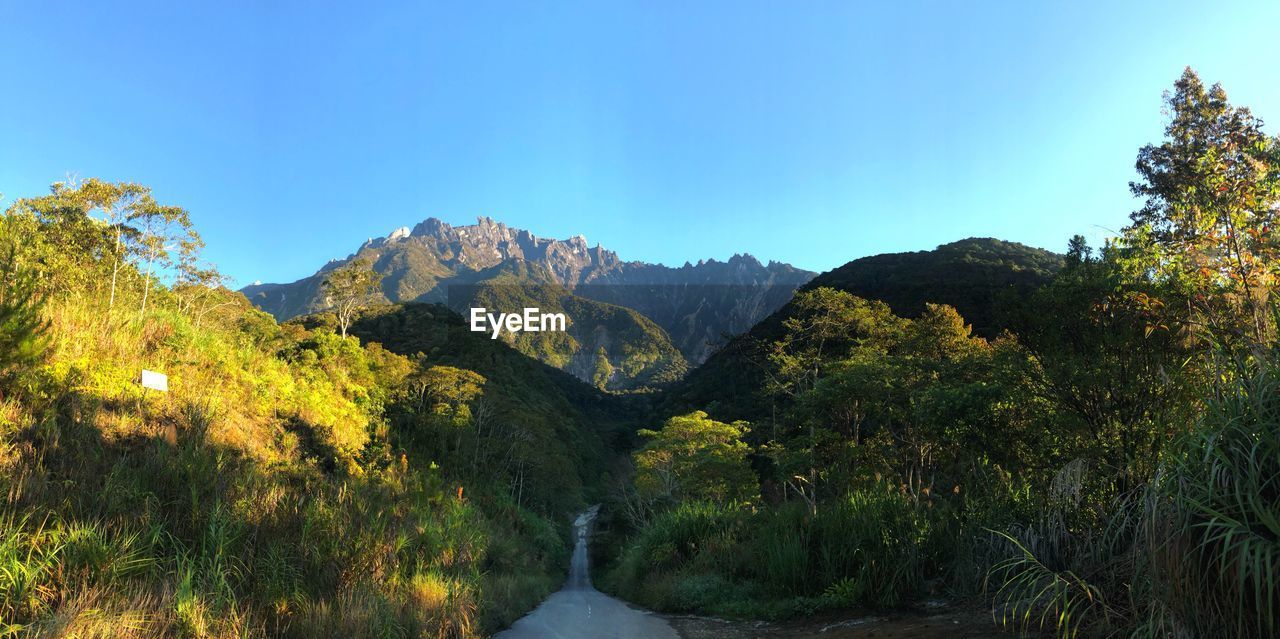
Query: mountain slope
{"x": 974, "y": 275}
{"x": 969, "y": 274}
{"x": 589, "y": 424}
{"x": 611, "y": 347}
{"x": 696, "y": 305}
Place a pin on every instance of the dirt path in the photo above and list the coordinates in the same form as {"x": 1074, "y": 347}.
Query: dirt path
{"x": 579, "y": 611}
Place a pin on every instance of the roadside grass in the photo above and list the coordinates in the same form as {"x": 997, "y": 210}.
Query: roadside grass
{"x": 873, "y": 549}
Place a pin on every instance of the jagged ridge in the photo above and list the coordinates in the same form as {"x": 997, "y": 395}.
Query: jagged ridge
{"x": 697, "y": 306}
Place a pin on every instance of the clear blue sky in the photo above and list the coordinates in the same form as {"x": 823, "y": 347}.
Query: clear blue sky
{"x": 807, "y": 132}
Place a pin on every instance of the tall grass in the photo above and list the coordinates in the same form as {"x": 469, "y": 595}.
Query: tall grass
{"x": 873, "y": 548}
{"x": 1196, "y": 553}
{"x": 1213, "y": 529}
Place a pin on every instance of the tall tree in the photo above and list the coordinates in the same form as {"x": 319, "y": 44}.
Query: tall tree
{"x": 1212, "y": 191}
{"x": 113, "y": 222}
{"x": 118, "y": 206}
{"x": 200, "y": 287}
{"x": 350, "y": 288}
{"x": 825, "y": 325}
{"x": 1110, "y": 355}
{"x": 445, "y": 398}
{"x": 161, "y": 229}
{"x": 695, "y": 457}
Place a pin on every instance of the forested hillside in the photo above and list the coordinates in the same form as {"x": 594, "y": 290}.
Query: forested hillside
{"x": 608, "y": 346}
{"x": 294, "y": 480}
{"x": 1108, "y": 464}
{"x": 973, "y": 276}
{"x": 979, "y": 277}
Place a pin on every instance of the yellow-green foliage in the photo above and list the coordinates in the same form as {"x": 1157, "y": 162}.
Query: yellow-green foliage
{"x": 260, "y": 496}
{"x": 694, "y": 458}
{"x": 253, "y": 392}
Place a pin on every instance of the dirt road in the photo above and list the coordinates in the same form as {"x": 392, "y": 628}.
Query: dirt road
{"x": 579, "y": 611}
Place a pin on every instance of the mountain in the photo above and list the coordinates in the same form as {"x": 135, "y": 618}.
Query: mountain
{"x": 539, "y": 398}
{"x": 695, "y": 306}
{"x": 976, "y": 276}
{"x": 970, "y": 275}
{"x": 610, "y": 346}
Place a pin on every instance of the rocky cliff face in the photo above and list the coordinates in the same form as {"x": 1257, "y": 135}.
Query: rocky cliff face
{"x": 697, "y": 305}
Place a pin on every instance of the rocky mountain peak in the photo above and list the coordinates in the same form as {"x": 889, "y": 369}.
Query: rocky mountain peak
{"x": 434, "y": 227}
{"x": 696, "y": 304}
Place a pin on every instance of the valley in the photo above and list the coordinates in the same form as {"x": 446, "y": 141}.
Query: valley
{"x": 981, "y": 437}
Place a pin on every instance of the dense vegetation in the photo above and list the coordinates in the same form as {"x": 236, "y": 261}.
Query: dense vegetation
{"x": 1105, "y": 465}
{"x": 978, "y": 277}
{"x": 1101, "y": 458}
{"x": 292, "y": 482}
{"x": 611, "y": 347}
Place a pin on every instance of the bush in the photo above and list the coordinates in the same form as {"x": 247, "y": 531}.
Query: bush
{"x": 872, "y": 549}
{"x": 1193, "y": 553}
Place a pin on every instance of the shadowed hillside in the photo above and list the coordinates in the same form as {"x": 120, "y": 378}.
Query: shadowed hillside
{"x": 976, "y": 276}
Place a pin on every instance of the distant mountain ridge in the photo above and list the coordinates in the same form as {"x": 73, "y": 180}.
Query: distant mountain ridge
{"x": 697, "y": 306}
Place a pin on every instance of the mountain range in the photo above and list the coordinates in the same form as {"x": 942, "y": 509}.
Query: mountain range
{"x": 633, "y": 323}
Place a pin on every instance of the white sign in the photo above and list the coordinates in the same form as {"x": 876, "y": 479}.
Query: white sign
{"x": 155, "y": 381}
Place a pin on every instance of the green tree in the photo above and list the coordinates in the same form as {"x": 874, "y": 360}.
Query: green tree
{"x": 871, "y": 399}
{"x": 117, "y": 206}
{"x": 694, "y": 458}
{"x": 826, "y": 324}
{"x": 1212, "y": 191}
{"x": 64, "y": 246}
{"x": 941, "y": 334}
{"x": 139, "y": 227}
{"x": 350, "y": 288}
{"x": 603, "y": 370}
{"x": 22, "y": 327}
{"x": 86, "y": 226}
{"x": 446, "y": 398}
{"x": 1112, "y": 359}
{"x": 161, "y": 230}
